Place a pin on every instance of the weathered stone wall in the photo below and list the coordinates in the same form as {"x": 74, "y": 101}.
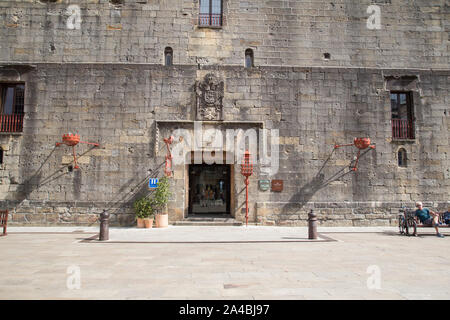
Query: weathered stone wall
{"x": 313, "y": 108}
{"x": 94, "y": 68}
{"x": 413, "y": 33}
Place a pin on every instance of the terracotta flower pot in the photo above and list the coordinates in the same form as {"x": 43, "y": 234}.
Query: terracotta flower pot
{"x": 362, "y": 143}
{"x": 148, "y": 223}
{"x": 140, "y": 223}
{"x": 162, "y": 220}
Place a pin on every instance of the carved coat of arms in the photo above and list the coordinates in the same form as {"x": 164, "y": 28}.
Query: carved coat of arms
{"x": 209, "y": 98}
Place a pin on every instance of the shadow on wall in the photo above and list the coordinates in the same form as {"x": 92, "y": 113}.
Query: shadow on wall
{"x": 307, "y": 191}
{"x": 136, "y": 192}
{"x": 241, "y": 205}
{"x": 77, "y": 184}
{"x": 36, "y": 181}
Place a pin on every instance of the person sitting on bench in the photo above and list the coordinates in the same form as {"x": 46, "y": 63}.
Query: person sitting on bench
{"x": 446, "y": 216}
{"x": 428, "y": 217}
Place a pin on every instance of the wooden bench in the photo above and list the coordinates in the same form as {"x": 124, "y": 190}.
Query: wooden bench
{"x": 408, "y": 222}
{"x": 3, "y": 221}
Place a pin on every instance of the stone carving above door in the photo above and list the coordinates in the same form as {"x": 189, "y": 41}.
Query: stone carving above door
{"x": 209, "y": 98}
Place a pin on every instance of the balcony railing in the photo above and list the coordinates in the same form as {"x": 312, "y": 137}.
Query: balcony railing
{"x": 11, "y": 122}
{"x": 402, "y": 129}
{"x": 206, "y": 19}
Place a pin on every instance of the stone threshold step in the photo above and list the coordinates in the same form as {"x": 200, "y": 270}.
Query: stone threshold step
{"x": 211, "y": 219}
{"x": 207, "y": 223}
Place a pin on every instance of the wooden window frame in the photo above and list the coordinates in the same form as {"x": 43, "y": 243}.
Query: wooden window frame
{"x": 11, "y": 122}
{"x": 5, "y": 85}
{"x": 210, "y": 17}
{"x": 403, "y": 129}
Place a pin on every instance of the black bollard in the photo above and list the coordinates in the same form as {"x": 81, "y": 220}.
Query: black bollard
{"x": 104, "y": 226}
{"x": 312, "y": 225}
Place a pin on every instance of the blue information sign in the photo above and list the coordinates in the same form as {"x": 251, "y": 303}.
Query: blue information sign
{"x": 153, "y": 183}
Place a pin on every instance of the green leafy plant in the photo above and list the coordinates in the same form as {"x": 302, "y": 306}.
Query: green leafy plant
{"x": 144, "y": 208}
{"x": 161, "y": 195}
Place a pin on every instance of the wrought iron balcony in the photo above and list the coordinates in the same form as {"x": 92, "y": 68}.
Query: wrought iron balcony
{"x": 402, "y": 129}
{"x": 11, "y": 122}
{"x": 209, "y": 20}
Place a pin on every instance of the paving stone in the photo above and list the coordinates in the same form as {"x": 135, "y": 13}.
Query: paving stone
{"x": 37, "y": 264}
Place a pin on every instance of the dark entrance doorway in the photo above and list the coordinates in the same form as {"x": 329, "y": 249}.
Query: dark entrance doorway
{"x": 209, "y": 189}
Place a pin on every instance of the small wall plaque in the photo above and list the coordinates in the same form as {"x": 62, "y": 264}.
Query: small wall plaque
{"x": 264, "y": 185}
{"x": 277, "y": 185}
{"x": 153, "y": 183}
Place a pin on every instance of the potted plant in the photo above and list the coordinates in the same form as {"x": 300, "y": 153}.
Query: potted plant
{"x": 144, "y": 212}
{"x": 160, "y": 200}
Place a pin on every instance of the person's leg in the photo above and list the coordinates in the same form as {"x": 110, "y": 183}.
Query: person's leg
{"x": 433, "y": 222}
{"x": 436, "y": 222}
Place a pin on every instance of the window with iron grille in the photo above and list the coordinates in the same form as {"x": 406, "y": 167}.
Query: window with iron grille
{"x": 402, "y": 110}
{"x": 210, "y": 13}
{"x": 11, "y": 107}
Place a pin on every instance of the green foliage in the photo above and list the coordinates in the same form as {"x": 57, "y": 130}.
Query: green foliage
{"x": 155, "y": 202}
{"x": 144, "y": 208}
{"x": 161, "y": 194}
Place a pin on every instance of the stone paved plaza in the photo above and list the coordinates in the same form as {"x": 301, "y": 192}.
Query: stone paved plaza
{"x": 223, "y": 263}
